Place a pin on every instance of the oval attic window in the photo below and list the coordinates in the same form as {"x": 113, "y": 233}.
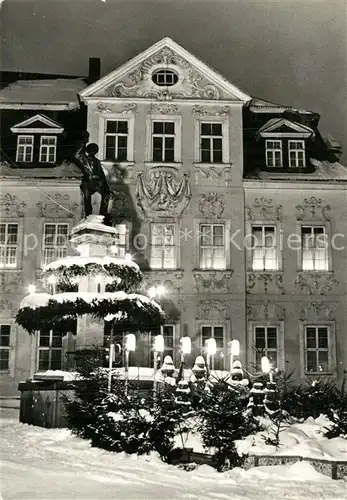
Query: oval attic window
{"x": 165, "y": 78}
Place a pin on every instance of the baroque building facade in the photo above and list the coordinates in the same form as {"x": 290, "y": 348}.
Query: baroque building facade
{"x": 237, "y": 206}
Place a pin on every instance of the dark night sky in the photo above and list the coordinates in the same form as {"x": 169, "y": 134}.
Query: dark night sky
{"x": 289, "y": 51}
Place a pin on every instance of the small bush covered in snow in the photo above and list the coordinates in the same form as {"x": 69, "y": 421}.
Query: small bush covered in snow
{"x": 223, "y": 421}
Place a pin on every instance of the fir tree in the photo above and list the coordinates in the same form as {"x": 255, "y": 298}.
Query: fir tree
{"x": 224, "y": 421}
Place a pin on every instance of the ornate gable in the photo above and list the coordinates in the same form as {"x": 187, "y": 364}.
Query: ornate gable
{"x": 165, "y": 71}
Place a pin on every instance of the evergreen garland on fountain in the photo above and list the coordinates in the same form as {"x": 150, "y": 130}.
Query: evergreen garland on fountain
{"x": 93, "y": 283}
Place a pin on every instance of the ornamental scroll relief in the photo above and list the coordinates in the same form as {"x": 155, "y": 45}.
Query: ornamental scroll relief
{"x": 57, "y": 205}
{"x": 211, "y": 111}
{"x": 11, "y": 206}
{"x": 139, "y": 83}
{"x": 212, "y": 173}
{"x": 212, "y": 204}
{"x": 163, "y": 109}
{"x": 213, "y": 309}
{"x": 10, "y": 282}
{"x": 265, "y": 311}
{"x": 274, "y": 279}
{"x": 314, "y": 311}
{"x": 171, "y": 280}
{"x": 264, "y": 208}
{"x": 207, "y": 281}
{"x": 124, "y": 109}
{"x": 313, "y": 208}
{"x": 316, "y": 283}
{"x": 163, "y": 195}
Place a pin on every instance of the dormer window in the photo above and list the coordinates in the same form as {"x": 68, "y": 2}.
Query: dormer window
{"x": 37, "y": 139}
{"x": 296, "y": 154}
{"x": 164, "y": 78}
{"x": 285, "y": 143}
{"x": 25, "y": 148}
{"x": 274, "y": 154}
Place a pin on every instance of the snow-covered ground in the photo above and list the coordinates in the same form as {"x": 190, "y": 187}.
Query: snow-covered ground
{"x": 304, "y": 439}
{"x": 51, "y": 464}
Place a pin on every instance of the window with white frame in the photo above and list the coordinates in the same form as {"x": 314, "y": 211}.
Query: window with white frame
{"x": 163, "y": 246}
{"x": 212, "y": 246}
{"x": 48, "y": 148}
{"x": 314, "y": 245}
{"x": 5, "y": 335}
{"x": 265, "y": 340}
{"x": 55, "y": 240}
{"x": 165, "y": 78}
{"x": 273, "y": 151}
{"x": 296, "y": 153}
{"x": 211, "y": 143}
{"x": 317, "y": 343}
{"x": 116, "y": 140}
{"x": 8, "y": 245}
{"x": 216, "y": 332}
{"x": 50, "y": 351}
{"x": 25, "y": 148}
{"x": 163, "y": 141}
{"x": 264, "y": 248}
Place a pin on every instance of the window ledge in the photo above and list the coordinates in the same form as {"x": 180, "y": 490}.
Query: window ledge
{"x": 212, "y": 164}
{"x": 315, "y": 271}
{"x": 4, "y": 372}
{"x": 163, "y": 164}
{"x": 265, "y": 271}
{"x": 330, "y": 373}
{"x": 211, "y": 269}
{"x": 114, "y": 163}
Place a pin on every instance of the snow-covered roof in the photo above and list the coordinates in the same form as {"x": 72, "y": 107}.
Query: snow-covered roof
{"x": 76, "y": 260}
{"x": 261, "y": 105}
{"x": 324, "y": 171}
{"x": 64, "y": 171}
{"x": 59, "y": 91}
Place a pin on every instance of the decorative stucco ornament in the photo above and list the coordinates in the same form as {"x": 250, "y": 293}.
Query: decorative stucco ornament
{"x": 164, "y": 195}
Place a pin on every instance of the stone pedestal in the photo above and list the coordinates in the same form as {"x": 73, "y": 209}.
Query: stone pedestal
{"x": 92, "y": 239}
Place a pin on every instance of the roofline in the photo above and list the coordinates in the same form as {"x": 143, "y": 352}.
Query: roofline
{"x": 70, "y": 106}
{"x": 133, "y": 62}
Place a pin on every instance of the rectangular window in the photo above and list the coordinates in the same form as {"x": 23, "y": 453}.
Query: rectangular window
{"x": 163, "y": 248}
{"x": 265, "y": 249}
{"x": 50, "y": 351}
{"x": 317, "y": 349}
{"x": 116, "y": 137}
{"x": 296, "y": 153}
{"x": 25, "y": 148}
{"x": 163, "y": 141}
{"x": 273, "y": 153}
{"x": 314, "y": 246}
{"x": 212, "y": 246}
{"x": 48, "y": 148}
{"x": 5, "y": 334}
{"x": 211, "y": 143}
{"x": 216, "y": 332}
{"x": 55, "y": 241}
{"x": 265, "y": 338}
{"x": 8, "y": 245}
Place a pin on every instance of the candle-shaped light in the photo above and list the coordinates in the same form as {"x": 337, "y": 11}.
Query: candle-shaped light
{"x": 234, "y": 351}
{"x": 158, "y": 347}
